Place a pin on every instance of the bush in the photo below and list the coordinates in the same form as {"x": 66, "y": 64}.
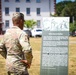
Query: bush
{"x": 72, "y": 26}
{"x": 29, "y": 23}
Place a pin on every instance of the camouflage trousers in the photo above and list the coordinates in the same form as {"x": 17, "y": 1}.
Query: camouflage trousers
{"x": 23, "y": 73}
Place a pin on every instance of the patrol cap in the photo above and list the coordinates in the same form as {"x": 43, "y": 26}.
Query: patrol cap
{"x": 18, "y": 15}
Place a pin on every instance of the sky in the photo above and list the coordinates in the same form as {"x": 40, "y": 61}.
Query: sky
{"x": 61, "y": 0}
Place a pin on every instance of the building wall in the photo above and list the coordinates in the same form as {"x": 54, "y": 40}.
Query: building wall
{"x": 44, "y": 5}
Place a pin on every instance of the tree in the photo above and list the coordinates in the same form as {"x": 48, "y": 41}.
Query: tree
{"x": 60, "y": 6}
{"x": 29, "y": 23}
{"x": 67, "y": 8}
{"x": 70, "y": 10}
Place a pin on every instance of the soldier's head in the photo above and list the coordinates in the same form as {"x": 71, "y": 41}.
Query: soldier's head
{"x": 18, "y": 20}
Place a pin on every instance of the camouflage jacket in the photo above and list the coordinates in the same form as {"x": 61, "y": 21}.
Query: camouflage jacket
{"x": 18, "y": 48}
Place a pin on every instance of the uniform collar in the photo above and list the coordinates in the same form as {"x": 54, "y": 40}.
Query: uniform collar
{"x": 15, "y": 27}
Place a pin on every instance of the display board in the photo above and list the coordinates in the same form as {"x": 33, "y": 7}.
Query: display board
{"x": 55, "y": 46}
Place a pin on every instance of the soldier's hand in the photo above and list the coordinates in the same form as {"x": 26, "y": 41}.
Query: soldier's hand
{"x": 26, "y": 63}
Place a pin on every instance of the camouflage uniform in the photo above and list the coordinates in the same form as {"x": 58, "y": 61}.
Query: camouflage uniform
{"x": 18, "y": 48}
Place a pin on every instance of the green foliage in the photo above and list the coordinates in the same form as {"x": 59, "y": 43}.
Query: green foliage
{"x": 72, "y": 26}
{"x": 67, "y": 8}
{"x": 29, "y": 23}
{"x": 60, "y": 6}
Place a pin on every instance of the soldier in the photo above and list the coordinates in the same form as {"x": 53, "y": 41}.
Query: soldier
{"x": 16, "y": 43}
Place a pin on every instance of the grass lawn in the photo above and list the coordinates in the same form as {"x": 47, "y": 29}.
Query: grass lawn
{"x": 35, "y": 67}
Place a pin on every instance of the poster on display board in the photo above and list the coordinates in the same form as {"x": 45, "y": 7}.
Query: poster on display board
{"x": 55, "y": 46}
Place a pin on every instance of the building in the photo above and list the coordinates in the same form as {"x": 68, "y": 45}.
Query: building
{"x": 32, "y": 9}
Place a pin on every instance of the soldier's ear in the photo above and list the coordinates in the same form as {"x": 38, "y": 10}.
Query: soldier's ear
{"x": 22, "y": 20}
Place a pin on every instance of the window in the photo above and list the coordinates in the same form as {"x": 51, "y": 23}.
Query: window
{"x": 17, "y": 9}
{"x": 6, "y": 23}
{"x": 28, "y": 11}
{"x": 6, "y": 0}
{"x": 27, "y": 0}
{"x": 38, "y": 1}
{"x": 17, "y": 0}
{"x": 38, "y": 23}
{"x": 38, "y": 11}
{"x": 38, "y": 30}
{"x": 6, "y": 11}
